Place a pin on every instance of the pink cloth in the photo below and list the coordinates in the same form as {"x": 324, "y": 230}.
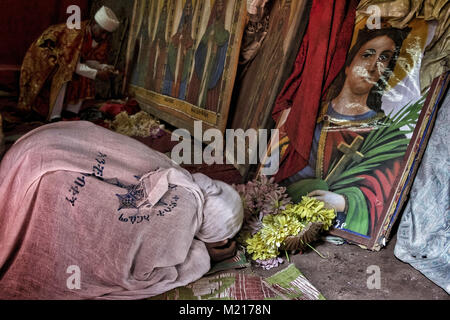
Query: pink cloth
{"x": 76, "y": 194}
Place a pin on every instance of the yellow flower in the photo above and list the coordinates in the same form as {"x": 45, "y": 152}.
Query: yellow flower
{"x": 289, "y": 222}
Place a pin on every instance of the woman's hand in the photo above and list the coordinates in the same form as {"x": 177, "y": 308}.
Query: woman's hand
{"x": 332, "y": 200}
{"x": 221, "y": 250}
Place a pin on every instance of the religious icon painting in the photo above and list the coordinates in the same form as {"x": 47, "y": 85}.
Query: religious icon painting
{"x": 370, "y": 133}
{"x": 182, "y": 59}
{"x": 263, "y": 76}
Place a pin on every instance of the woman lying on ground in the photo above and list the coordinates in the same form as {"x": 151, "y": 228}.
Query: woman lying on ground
{"x": 86, "y": 213}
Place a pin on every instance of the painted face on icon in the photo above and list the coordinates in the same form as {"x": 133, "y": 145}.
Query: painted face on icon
{"x": 369, "y": 64}
{"x": 220, "y": 6}
{"x": 188, "y": 9}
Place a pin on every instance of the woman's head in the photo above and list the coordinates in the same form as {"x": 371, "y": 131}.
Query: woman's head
{"x": 223, "y": 212}
{"x": 370, "y": 63}
{"x": 217, "y": 12}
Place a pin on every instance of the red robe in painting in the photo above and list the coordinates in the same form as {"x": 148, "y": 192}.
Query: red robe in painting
{"x": 375, "y": 186}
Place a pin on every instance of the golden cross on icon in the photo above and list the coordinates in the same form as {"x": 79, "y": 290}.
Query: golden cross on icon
{"x": 351, "y": 153}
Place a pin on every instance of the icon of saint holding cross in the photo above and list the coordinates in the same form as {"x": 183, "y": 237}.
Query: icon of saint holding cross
{"x": 348, "y": 169}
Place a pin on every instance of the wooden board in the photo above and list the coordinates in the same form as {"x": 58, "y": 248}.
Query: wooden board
{"x": 257, "y": 88}
{"x": 182, "y": 59}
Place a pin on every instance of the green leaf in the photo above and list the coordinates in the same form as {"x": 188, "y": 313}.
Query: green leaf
{"x": 389, "y": 138}
{"x": 402, "y": 112}
{"x": 346, "y": 182}
{"x": 386, "y": 147}
{"x": 392, "y": 135}
{"x": 384, "y": 157}
{"x": 387, "y": 142}
{"x": 373, "y": 136}
{"x": 382, "y": 135}
{"x": 357, "y": 170}
{"x": 406, "y": 116}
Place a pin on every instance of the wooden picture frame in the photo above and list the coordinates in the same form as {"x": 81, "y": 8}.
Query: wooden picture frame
{"x": 182, "y": 59}
{"x": 376, "y": 179}
{"x": 263, "y": 77}
{"x": 411, "y": 162}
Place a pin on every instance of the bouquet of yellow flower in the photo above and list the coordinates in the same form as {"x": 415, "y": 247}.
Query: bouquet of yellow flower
{"x": 264, "y": 234}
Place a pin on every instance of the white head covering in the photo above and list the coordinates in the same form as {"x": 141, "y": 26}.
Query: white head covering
{"x": 223, "y": 212}
{"x": 220, "y": 210}
{"x": 106, "y": 19}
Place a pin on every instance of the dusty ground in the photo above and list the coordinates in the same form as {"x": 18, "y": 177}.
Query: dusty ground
{"x": 343, "y": 274}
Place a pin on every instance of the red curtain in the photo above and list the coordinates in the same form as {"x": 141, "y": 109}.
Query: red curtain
{"x": 320, "y": 58}
{"x": 22, "y": 21}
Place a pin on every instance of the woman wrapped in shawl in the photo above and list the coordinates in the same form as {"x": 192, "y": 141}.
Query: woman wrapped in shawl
{"x": 126, "y": 218}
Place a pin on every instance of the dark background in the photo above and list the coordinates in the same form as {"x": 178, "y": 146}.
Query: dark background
{"x": 23, "y": 21}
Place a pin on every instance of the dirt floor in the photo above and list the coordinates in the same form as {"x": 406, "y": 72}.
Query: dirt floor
{"x": 343, "y": 275}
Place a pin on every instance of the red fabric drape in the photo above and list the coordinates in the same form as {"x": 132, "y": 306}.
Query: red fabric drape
{"x": 22, "y": 22}
{"x": 377, "y": 189}
{"x": 321, "y": 56}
